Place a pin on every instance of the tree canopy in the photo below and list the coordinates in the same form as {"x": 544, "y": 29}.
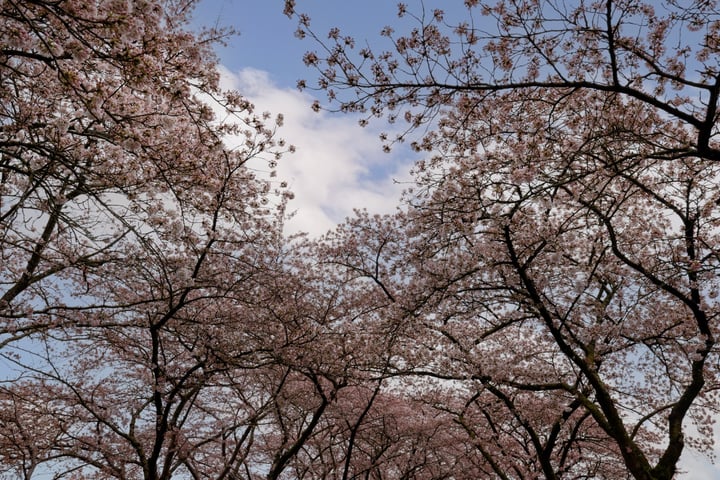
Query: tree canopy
{"x": 542, "y": 305}
{"x": 556, "y": 261}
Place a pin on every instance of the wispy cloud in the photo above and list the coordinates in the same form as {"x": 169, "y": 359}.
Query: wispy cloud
{"x": 338, "y": 165}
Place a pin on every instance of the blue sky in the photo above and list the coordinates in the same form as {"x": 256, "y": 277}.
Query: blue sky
{"x": 338, "y": 166}
{"x": 266, "y": 38}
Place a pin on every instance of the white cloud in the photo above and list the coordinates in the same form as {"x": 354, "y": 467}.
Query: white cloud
{"x": 338, "y": 165}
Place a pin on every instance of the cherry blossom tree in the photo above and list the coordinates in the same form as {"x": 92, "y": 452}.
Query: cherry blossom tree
{"x": 145, "y": 284}
{"x": 554, "y": 269}
{"x": 155, "y": 322}
{"x": 106, "y": 147}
